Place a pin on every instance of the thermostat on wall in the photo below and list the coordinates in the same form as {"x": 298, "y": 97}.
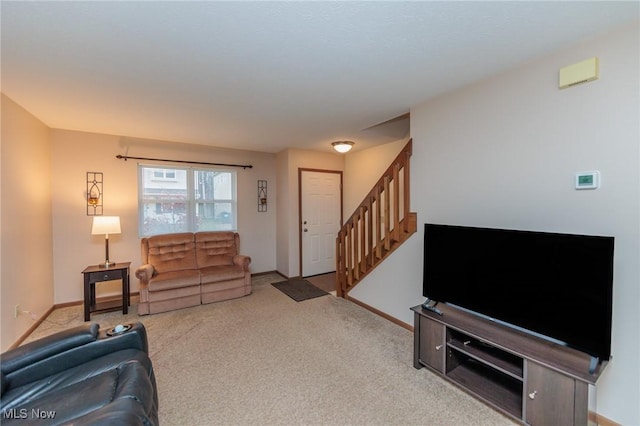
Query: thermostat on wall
{"x": 588, "y": 180}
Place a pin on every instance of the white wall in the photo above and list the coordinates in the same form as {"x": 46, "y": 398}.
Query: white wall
{"x": 284, "y": 213}
{"x": 362, "y": 169}
{"x": 26, "y": 259}
{"x": 76, "y": 153}
{"x": 503, "y": 153}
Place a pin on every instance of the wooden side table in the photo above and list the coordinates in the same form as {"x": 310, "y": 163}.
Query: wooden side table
{"x": 96, "y": 274}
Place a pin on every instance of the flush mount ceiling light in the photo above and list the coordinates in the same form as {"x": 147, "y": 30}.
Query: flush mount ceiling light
{"x": 342, "y": 146}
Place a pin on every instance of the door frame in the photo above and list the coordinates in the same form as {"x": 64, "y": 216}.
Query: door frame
{"x": 300, "y": 171}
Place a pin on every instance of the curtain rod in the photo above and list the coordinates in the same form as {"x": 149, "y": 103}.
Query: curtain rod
{"x": 125, "y": 158}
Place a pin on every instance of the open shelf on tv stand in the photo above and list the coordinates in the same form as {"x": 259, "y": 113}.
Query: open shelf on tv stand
{"x": 529, "y": 379}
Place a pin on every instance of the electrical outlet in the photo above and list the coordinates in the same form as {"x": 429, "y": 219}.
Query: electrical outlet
{"x": 16, "y": 311}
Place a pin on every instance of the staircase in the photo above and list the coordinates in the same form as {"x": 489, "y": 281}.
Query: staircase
{"x": 380, "y": 224}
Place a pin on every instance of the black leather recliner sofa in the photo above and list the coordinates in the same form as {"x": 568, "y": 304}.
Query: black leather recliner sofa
{"x": 80, "y": 376}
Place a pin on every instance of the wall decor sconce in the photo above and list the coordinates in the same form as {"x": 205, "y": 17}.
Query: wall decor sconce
{"x": 94, "y": 194}
{"x": 262, "y": 195}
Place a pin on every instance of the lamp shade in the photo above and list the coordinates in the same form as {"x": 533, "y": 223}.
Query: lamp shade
{"x": 105, "y": 225}
{"x": 342, "y": 146}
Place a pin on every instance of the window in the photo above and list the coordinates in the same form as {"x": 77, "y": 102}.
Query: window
{"x": 164, "y": 174}
{"x": 174, "y": 199}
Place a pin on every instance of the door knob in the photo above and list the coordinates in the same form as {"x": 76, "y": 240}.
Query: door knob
{"x": 305, "y": 230}
{"x": 532, "y": 395}
{"x": 438, "y": 347}
{"x": 305, "y": 222}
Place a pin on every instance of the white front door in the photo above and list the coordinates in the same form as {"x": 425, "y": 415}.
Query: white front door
{"x": 320, "y": 221}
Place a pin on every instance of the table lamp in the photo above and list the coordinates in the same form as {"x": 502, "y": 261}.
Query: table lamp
{"x": 106, "y": 225}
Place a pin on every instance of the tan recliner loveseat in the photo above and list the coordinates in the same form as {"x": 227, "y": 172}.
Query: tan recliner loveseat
{"x": 187, "y": 269}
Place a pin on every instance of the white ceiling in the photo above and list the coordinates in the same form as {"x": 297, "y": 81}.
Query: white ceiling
{"x": 264, "y": 75}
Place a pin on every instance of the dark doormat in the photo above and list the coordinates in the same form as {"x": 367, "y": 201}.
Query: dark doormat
{"x": 299, "y": 290}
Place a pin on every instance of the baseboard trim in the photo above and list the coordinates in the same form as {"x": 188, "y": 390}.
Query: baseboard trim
{"x": 601, "y": 420}
{"x": 67, "y": 304}
{"x": 31, "y": 329}
{"x": 257, "y": 274}
{"x": 133, "y": 295}
{"x": 44, "y": 316}
{"x": 380, "y": 313}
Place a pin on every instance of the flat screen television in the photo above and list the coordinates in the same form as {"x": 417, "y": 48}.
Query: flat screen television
{"x": 557, "y": 286}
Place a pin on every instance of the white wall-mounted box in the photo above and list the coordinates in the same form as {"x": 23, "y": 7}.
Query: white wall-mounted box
{"x": 588, "y": 180}
{"x": 587, "y": 70}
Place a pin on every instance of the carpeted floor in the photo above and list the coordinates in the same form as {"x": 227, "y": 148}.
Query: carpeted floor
{"x": 266, "y": 359}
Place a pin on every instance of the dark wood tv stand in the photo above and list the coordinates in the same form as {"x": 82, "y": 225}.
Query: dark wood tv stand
{"x": 529, "y": 379}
